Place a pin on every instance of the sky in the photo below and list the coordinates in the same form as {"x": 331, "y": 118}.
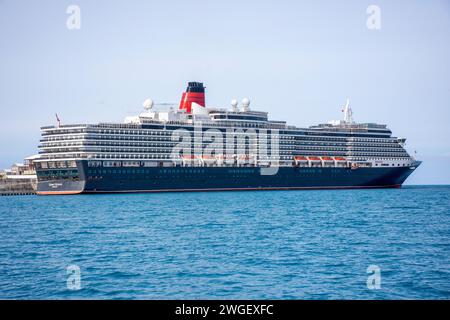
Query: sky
{"x": 298, "y": 60}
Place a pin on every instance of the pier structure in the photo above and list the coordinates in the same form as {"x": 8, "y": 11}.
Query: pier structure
{"x": 20, "y": 179}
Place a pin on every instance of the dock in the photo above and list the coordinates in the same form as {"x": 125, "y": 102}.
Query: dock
{"x": 18, "y": 185}
{"x": 15, "y": 193}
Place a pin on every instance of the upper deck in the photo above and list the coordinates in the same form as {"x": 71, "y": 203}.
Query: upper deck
{"x": 150, "y": 135}
{"x": 222, "y": 119}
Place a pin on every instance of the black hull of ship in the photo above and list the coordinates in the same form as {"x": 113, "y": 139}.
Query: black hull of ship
{"x": 177, "y": 179}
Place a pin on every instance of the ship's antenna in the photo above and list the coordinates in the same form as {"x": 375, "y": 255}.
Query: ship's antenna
{"x": 348, "y": 113}
{"x": 57, "y": 119}
{"x": 148, "y": 104}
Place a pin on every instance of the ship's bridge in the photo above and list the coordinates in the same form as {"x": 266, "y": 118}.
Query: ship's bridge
{"x": 348, "y": 125}
{"x": 342, "y": 126}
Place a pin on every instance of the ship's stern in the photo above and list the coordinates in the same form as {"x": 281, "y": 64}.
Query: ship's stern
{"x": 60, "y": 177}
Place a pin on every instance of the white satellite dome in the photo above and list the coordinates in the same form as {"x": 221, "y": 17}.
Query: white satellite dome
{"x": 234, "y": 104}
{"x": 148, "y": 104}
{"x": 245, "y": 104}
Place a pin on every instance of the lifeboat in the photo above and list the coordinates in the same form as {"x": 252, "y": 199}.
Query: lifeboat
{"x": 225, "y": 156}
{"x": 314, "y": 159}
{"x": 229, "y": 158}
{"x": 327, "y": 159}
{"x": 339, "y": 159}
{"x": 188, "y": 159}
{"x": 300, "y": 161}
{"x": 245, "y": 159}
{"x": 207, "y": 159}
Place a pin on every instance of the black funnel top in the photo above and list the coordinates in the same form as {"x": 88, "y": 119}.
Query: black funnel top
{"x": 195, "y": 87}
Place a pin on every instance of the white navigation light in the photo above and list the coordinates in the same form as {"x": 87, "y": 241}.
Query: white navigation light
{"x": 245, "y": 104}
{"x": 148, "y": 104}
{"x": 234, "y": 104}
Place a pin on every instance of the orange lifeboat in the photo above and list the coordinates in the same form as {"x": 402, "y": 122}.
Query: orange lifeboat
{"x": 207, "y": 159}
{"x": 222, "y": 157}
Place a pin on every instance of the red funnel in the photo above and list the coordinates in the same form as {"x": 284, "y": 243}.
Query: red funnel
{"x": 195, "y": 92}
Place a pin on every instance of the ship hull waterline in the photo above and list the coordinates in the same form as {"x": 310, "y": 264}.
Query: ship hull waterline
{"x": 191, "y": 179}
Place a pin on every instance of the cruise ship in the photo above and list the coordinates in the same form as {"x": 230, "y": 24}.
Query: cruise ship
{"x": 192, "y": 147}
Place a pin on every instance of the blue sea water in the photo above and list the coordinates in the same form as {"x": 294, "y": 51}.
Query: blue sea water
{"x": 228, "y": 245}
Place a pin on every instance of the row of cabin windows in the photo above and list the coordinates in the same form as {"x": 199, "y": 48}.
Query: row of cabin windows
{"x": 238, "y": 144}
{"x": 289, "y": 150}
{"x": 56, "y": 164}
{"x": 122, "y": 134}
{"x": 218, "y": 144}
